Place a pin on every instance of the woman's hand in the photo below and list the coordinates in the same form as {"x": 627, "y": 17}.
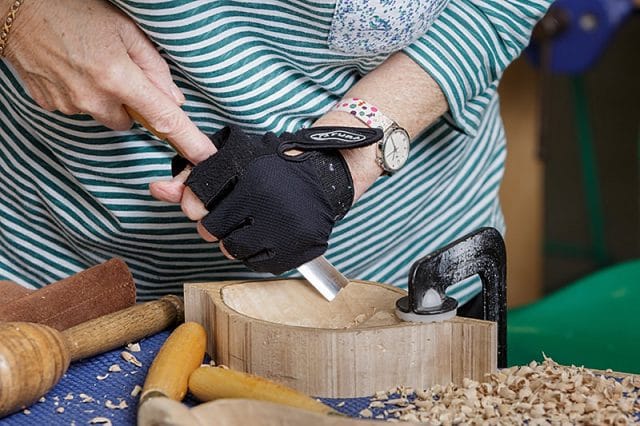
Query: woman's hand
{"x": 88, "y": 57}
{"x": 415, "y": 102}
{"x": 270, "y": 207}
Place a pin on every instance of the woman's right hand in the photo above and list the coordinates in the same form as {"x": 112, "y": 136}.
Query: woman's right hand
{"x": 88, "y": 57}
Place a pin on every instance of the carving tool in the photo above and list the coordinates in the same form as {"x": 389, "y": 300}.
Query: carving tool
{"x": 319, "y": 272}
{"x": 33, "y": 357}
{"x": 179, "y": 356}
{"x": 209, "y": 383}
{"x": 233, "y": 412}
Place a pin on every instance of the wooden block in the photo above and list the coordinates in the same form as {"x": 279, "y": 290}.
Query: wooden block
{"x": 354, "y": 346}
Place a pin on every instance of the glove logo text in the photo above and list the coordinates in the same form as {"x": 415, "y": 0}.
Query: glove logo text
{"x": 338, "y": 135}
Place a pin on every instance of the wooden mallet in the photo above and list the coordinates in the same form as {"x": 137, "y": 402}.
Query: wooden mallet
{"x": 33, "y": 357}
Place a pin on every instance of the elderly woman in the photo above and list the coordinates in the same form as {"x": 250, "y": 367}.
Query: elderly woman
{"x": 75, "y": 175}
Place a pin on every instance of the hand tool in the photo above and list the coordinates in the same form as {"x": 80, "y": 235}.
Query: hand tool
{"x": 33, "y": 357}
{"x": 179, "y": 356}
{"x": 234, "y": 412}
{"x": 208, "y": 383}
{"x": 483, "y": 253}
{"x": 89, "y": 294}
{"x": 319, "y": 271}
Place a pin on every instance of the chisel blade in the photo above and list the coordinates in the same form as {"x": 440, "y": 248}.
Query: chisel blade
{"x": 324, "y": 277}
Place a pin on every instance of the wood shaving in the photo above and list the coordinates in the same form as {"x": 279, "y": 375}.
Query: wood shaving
{"x": 115, "y": 368}
{"x": 366, "y": 413}
{"x": 120, "y": 406}
{"x": 401, "y": 402}
{"x": 42, "y": 399}
{"x": 359, "y": 319}
{"x": 340, "y": 404}
{"x": 535, "y": 394}
{"x": 136, "y": 391}
{"x": 60, "y": 410}
{"x": 133, "y": 347}
{"x": 102, "y": 377}
{"x": 84, "y": 398}
{"x": 68, "y": 397}
{"x": 100, "y": 420}
{"x": 130, "y": 358}
{"x": 381, "y": 395}
{"x": 27, "y": 412}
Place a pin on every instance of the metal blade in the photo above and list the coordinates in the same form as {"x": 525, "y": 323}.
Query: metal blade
{"x": 324, "y": 277}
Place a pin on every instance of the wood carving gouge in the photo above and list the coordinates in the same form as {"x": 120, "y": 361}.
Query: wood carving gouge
{"x": 324, "y": 277}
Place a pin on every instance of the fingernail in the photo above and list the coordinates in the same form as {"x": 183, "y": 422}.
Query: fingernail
{"x": 177, "y": 94}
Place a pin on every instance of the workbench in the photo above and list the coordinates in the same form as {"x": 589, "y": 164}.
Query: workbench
{"x": 82, "y": 378}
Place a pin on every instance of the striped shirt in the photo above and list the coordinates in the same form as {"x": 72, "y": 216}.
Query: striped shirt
{"x": 74, "y": 193}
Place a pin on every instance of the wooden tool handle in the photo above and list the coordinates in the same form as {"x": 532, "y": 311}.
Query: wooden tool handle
{"x": 143, "y": 121}
{"x": 234, "y": 412}
{"x": 167, "y": 412}
{"x": 33, "y": 357}
{"x": 209, "y": 383}
{"x": 125, "y": 326}
{"x": 179, "y": 356}
{"x": 140, "y": 119}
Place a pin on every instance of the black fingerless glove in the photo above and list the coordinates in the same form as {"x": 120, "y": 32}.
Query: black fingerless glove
{"x": 274, "y": 211}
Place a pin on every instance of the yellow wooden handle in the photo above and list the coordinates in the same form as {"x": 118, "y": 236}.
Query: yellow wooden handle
{"x": 209, "y": 383}
{"x": 179, "y": 356}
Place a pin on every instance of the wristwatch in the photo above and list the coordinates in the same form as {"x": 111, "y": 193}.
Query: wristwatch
{"x": 393, "y": 151}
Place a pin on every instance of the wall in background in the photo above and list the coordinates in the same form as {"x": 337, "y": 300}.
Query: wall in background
{"x": 592, "y": 224}
{"x": 522, "y": 188}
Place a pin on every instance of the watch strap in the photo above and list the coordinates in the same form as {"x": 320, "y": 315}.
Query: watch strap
{"x": 364, "y": 111}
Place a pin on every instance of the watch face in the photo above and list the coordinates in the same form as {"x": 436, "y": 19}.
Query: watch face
{"x": 396, "y": 149}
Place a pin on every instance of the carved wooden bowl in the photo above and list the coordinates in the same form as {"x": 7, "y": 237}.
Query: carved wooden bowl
{"x": 353, "y": 346}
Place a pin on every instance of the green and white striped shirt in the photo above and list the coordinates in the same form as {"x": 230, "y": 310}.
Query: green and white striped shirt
{"x": 74, "y": 193}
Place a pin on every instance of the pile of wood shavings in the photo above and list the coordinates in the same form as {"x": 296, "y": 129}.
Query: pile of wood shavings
{"x": 536, "y": 394}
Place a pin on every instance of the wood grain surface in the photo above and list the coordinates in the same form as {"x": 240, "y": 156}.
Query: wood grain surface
{"x": 283, "y": 331}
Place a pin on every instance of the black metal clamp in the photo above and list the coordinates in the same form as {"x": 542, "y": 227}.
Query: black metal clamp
{"x": 481, "y": 252}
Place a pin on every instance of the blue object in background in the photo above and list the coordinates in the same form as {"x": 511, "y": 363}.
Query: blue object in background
{"x": 575, "y": 33}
